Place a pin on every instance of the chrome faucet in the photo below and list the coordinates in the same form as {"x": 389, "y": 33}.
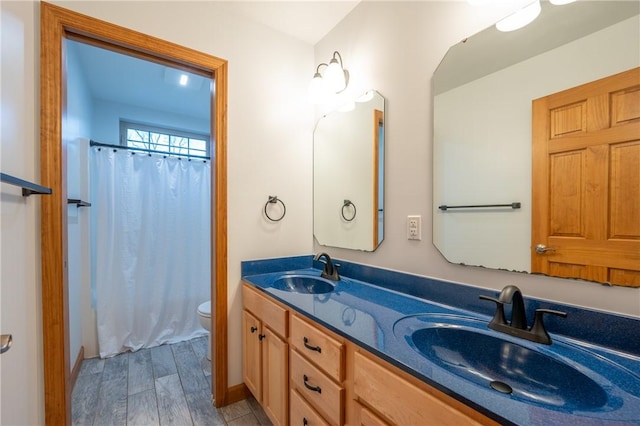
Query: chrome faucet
{"x": 329, "y": 271}
{"x": 518, "y": 325}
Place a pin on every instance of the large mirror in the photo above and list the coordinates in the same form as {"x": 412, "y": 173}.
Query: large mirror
{"x": 483, "y": 93}
{"x": 348, "y": 175}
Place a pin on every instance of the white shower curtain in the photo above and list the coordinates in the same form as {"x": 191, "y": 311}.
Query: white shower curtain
{"x": 152, "y": 249}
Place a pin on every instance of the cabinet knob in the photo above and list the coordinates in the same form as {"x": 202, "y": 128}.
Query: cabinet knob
{"x": 305, "y": 422}
{"x": 254, "y": 329}
{"x": 261, "y": 336}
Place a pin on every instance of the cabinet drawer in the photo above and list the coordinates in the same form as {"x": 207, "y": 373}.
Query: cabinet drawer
{"x": 269, "y": 313}
{"x": 367, "y": 418}
{"x": 324, "y": 351}
{"x": 302, "y": 414}
{"x": 398, "y": 400}
{"x": 317, "y": 389}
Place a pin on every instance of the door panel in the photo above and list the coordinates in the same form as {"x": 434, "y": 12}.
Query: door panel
{"x": 625, "y": 181}
{"x": 586, "y": 181}
{"x": 275, "y": 363}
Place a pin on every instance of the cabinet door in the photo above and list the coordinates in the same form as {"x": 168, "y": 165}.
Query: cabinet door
{"x": 251, "y": 354}
{"x": 275, "y": 377}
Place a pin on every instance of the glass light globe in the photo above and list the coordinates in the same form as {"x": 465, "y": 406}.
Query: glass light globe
{"x": 334, "y": 76}
{"x": 317, "y": 90}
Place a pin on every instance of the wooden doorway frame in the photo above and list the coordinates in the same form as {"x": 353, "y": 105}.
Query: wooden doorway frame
{"x": 56, "y": 24}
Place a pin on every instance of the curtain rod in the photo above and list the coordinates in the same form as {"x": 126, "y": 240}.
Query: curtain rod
{"x": 148, "y": 151}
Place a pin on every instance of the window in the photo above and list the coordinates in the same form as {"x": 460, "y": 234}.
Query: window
{"x": 163, "y": 140}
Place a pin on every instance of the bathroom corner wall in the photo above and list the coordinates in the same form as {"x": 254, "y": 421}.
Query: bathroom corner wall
{"x": 76, "y": 130}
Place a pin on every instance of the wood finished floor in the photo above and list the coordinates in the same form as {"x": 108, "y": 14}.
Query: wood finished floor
{"x": 165, "y": 385}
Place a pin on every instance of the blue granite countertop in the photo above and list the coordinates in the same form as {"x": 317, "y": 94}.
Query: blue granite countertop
{"x": 376, "y": 317}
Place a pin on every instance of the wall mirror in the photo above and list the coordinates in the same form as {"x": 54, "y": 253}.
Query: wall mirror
{"x": 483, "y": 93}
{"x": 348, "y": 175}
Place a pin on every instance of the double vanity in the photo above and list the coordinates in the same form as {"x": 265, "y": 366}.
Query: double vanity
{"x": 380, "y": 347}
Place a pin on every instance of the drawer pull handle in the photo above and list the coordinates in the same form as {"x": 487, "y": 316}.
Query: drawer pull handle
{"x": 311, "y": 388}
{"x": 261, "y": 336}
{"x": 304, "y": 421}
{"x": 311, "y": 348}
{"x": 254, "y": 329}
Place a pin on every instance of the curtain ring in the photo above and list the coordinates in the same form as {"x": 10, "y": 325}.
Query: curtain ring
{"x": 273, "y": 200}
{"x": 348, "y": 203}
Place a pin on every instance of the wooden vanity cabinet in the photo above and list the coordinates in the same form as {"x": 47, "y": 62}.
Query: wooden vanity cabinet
{"x": 304, "y": 374}
{"x": 265, "y": 354}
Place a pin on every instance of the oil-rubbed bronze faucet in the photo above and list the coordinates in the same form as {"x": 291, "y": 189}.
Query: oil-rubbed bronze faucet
{"x": 329, "y": 271}
{"x": 518, "y": 325}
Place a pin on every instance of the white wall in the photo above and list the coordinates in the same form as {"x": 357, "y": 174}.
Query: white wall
{"x": 395, "y": 47}
{"x": 21, "y": 371}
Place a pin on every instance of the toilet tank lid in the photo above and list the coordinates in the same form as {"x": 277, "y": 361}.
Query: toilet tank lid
{"x": 205, "y": 308}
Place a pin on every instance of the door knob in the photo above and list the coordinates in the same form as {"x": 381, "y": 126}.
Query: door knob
{"x": 542, "y": 249}
{"x": 5, "y": 343}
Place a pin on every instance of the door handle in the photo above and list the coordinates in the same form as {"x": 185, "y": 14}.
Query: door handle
{"x": 5, "y": 343}
{"x": 542, "y": 249}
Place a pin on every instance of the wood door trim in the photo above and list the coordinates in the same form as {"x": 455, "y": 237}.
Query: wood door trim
{"x": 378, "y": 119}
{"x": 57, "y": 23}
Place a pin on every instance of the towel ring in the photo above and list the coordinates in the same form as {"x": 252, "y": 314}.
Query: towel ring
{"x": 272, "y": 200}
{"x": 348, "y": 203}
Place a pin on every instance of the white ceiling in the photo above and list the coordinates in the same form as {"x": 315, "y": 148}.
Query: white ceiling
{"x": 119, "y": 78}
{"x": 306, "y": 20}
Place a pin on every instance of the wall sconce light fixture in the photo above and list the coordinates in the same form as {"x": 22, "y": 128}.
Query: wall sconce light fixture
{"x": 335, "y": 80}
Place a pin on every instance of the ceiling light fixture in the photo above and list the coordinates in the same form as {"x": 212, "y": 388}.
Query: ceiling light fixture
{"x": 183, "y": 79}
{"x": 560, "y": 2}
{"x": 521, "y": 18}
{"x": 335, "y": 80}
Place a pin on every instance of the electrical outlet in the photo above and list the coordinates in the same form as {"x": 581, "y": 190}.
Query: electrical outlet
{"x": 414, "y": 227}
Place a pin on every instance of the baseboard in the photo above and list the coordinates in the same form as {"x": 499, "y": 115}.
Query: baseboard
{"x": 76, "y": 368}
{"x": 237, "y": 393}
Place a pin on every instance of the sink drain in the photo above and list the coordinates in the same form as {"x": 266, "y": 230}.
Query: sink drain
{"x": 501, "y": 386}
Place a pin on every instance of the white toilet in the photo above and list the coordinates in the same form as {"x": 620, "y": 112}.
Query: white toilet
{"x": 204, "y": 314}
